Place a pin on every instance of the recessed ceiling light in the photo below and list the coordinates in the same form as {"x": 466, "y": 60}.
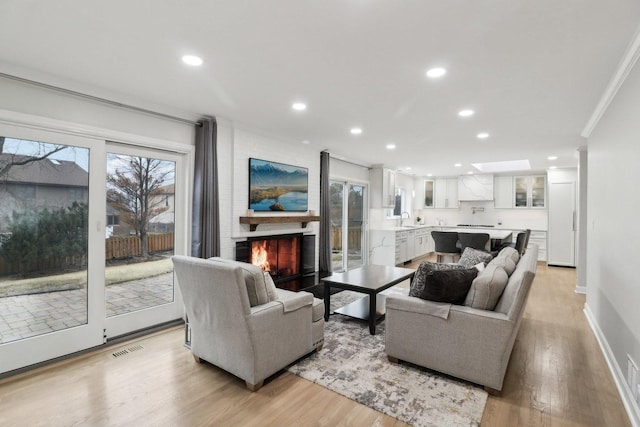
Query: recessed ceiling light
{"x": 553, "y": 167}
{"x": 408, "y": 168}
{"x": 429, "y": 174}
{"x": 299, "y": 106}
{"x": 458, "y": 165}
{"x": 436, "y": 72}
{"x": 552, "y": 158}
{"x": 192, "y": 60}
{"x": 465, "y": 113}
{"x": 470, "y": 173}
{"x": 306, "y": 142}
{"x": 390, "y": 146}
{"x": 482, "y": 135}
{"x": 356, "y": 131}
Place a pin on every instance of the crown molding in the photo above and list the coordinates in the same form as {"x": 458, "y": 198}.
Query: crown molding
{"x": 624, "y": 68}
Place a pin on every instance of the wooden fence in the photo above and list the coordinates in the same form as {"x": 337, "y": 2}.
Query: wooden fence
{"x": 354, "y": 238}
{"x": 128, "y": 246}
{"x": 115, "y": 247}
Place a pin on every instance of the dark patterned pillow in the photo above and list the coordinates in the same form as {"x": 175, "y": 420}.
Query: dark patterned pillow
{"x": 449, "y": 286}
{"x": 419, "y": 280}
{"x": 471, "y": 257}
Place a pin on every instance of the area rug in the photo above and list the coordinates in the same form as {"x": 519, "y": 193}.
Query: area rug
{"x": 354, "y": 364}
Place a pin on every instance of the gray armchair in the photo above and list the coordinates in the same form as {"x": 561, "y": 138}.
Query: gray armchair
{"x": 249, "y": 342}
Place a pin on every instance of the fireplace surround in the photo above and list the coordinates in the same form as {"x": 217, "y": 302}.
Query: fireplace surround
{"x": 289, "y": 258}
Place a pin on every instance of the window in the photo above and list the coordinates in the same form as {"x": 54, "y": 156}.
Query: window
{"x": 113, "y": 220}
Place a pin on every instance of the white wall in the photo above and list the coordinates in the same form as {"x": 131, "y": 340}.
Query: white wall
{"x": 613, "y": 282}
{"x": 235, "y": 146}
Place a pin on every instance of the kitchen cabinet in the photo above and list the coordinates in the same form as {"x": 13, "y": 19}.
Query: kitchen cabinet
{"x": 383, "y": 187}
{"x": 529, "y": 191}
{"x": 446, "y": 193}
{"x": 503, "y": 192}
{"x": 562, "y": 223}
{"x": 429, "y": 192}
{"x": 393, "y": 247}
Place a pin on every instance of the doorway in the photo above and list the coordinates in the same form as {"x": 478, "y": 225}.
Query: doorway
{"x": 348, "y": 219}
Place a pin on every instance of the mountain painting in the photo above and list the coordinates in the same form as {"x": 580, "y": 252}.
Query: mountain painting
{"x": 277, "y": 187}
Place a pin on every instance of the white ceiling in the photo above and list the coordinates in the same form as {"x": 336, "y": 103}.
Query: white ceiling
{"x": 532, "y": 70}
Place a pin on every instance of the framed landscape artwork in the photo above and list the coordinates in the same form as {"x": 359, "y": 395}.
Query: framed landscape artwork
{"x": 277, "y": 186}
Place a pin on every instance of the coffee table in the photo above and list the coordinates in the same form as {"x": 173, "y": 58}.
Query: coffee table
{"x": 370, "y": 280}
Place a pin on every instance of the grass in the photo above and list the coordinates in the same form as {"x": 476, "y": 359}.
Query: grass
{"x": 77, "y": 280}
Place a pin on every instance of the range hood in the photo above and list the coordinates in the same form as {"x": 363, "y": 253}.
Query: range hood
{"x": 475, "y": 187}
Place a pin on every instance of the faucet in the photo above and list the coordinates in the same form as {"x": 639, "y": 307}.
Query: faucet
{"x": 402, "y": 217}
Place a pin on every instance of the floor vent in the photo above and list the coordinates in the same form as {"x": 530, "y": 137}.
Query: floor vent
{"x": 126, "y": 351}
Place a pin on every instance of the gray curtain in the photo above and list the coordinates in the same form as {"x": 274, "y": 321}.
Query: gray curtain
{"x": 205, "y": 227}
{"x": 325, "y": 214}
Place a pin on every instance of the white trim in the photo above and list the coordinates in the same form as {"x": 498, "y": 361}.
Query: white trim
{"x": 630, "y": 405}
{"x": 54, "y": 125}
{"x": 624, "y": 68}
{"x": 582, "y": 290}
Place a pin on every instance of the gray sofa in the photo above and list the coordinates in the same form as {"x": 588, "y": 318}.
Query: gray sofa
{"x": 461, "y": 341}
{"x": 241, "y": 322}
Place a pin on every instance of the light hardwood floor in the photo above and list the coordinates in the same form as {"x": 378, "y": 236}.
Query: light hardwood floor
{"x": 557, "y": 376}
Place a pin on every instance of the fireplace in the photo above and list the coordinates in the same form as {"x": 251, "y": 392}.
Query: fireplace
{"x": 287, "y": 257}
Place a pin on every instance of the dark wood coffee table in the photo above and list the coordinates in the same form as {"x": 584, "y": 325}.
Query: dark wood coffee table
{"x": 370, "y": 280}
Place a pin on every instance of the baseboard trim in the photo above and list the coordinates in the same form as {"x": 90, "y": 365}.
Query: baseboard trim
{"x": 630, "y": 405}
{"x": 581, "y": 290}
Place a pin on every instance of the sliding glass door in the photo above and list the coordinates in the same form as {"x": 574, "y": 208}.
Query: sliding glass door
{"x": 48, "y": 303}
{"x": 348, "y": 237}
{"x": 87, "y": 229}
{"x": 144, "y": 204}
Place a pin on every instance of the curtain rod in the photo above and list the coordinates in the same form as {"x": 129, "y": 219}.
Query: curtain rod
{"x": 344, "y": 160}
{"x": 98, "y": 99}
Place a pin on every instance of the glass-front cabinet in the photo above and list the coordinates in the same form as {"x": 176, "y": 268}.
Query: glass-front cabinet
{"x": 530, "y": 191}
{"x": 428, "y": 193}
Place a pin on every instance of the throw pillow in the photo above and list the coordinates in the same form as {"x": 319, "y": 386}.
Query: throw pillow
{"x": 511, "y": 253}
{"x": 471, "y": 257}
{"x": 450, "y": 286}
{"x": 271, "y": 286}
{"x": 419, "y": 279}
{"x": 487, "y": 288}
{"x": 505, "y": 262}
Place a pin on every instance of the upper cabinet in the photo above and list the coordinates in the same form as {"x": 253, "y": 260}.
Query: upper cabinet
{"x": 446, "y": 193}
{"x": 383, "y": 187}
{"x": 429, "y": 193}
{"x": 503, "y": 192}
{"x": 529, "y": 191}
{"x": 523, "y": 192}
{"x": 475, "y": 187}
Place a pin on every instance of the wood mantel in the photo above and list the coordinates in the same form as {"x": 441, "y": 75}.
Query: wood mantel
{"x": 254, "y": 221}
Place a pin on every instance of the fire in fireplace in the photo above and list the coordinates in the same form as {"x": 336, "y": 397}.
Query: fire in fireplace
{"x": 286, "y": 257}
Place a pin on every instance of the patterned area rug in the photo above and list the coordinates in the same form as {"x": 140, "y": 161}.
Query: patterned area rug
{"x": 353, "y": 363}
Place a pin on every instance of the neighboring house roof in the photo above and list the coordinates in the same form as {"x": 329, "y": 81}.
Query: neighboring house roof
{"x": 45, "y": 171}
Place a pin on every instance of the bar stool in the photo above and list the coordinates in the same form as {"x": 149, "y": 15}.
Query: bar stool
{"x": 478, "y": 241}
{"x": 445, "y": 242}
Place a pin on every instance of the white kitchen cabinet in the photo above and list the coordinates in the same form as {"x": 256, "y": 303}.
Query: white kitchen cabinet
{"x": 529, "y": 191}
{"x": 503, "y": 192}
{"x": 539, "y": 238}
{"x": 446, "y": 193}
{"x": 394, "y": 247}
{"x": 383, "y": 187}
{"x": 429, "y": 192}
{"x": 562, "y": 224}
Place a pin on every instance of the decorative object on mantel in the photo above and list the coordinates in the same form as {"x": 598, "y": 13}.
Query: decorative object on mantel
{"x": 254, "y": 221}
{"x": 354, "y": 363}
